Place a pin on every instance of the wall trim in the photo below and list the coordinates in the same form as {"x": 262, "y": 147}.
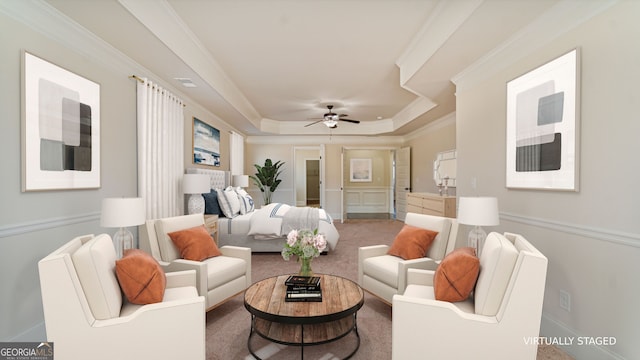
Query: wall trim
{"x": 558, "y": 20}
{"x": 46, "y": 224}
{"x": 616, "y": 237}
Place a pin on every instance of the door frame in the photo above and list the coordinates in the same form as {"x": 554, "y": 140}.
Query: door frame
{"x": 302, "y": 171}
{"x": 342, "y": 172}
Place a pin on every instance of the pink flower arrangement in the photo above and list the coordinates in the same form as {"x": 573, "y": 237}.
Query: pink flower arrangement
{"x": 304, "y": 244}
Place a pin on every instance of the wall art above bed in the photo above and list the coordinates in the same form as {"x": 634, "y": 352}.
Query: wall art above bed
{"x": 206, "y": 144}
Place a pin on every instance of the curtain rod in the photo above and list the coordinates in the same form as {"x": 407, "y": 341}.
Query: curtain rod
{"x": 142, "y": 81}
{"x": 137, "y": 78}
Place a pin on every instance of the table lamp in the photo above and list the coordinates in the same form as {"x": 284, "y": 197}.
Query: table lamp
{"x": 478, "y": 211}
{"x": 241, "y": 181}
{"x": 195, "y": 185}
{"x": 121, "y": 213}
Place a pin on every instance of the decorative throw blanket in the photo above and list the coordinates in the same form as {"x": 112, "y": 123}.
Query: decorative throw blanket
{"x": 300, "y": 218}
{"x": 278, "y": 219}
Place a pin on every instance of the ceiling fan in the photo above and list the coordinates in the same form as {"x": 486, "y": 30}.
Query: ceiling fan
{"x": 331, "y": 119}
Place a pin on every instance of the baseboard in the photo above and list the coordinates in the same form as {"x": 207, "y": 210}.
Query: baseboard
{"x": 568, "y": 340}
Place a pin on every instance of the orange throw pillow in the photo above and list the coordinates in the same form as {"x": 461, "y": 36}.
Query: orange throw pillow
{"x": 456, "y": 275}
{"x": 412, "y": 242}
{"x": 195, "y": 243}
{"x": 141, "y": 278}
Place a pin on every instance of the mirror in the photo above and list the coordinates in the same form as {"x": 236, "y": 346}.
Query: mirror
{"x": 445, "y": 166}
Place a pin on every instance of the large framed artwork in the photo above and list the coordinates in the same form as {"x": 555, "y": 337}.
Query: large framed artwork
{"x": 206, "y": 144}
{"x": 360, "y": 170}
{"x": 60, "y": 128}
{"x": 543, "y": 123}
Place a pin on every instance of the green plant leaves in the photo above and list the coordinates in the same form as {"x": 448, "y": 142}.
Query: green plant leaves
{"x": 266, "y": 178}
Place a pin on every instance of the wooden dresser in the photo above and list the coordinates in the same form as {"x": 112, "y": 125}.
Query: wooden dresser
{"x": 431, "y": 204}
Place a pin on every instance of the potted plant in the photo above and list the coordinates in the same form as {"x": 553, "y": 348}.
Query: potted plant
{"x": 266, "y": 179}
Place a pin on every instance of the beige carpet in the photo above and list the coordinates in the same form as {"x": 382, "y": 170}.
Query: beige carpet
{"x": 228, "y": 325}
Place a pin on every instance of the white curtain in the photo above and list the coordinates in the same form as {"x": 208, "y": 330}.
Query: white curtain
{"x": 236, "y": 151}
{"x": 160, "y": 150}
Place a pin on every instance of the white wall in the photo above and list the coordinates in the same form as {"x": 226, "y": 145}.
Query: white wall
{"x": 591, "y": 237}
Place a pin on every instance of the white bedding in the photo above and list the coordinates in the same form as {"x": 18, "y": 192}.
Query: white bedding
{"x": 262, "y": 229}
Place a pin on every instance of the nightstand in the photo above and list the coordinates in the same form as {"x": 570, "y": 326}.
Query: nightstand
{"x": 211, "y": 223}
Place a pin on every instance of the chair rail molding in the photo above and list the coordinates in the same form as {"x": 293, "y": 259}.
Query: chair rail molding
{"x": 45, "y": 224}
{"x": 617, "y": 237}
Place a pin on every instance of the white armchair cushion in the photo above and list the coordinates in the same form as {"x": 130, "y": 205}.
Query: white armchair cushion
{"x": 497, "y": 260}
{"x": 436, "y": 223}
{"x": 95, "y": 265}
{"x": 383, "y": 268}
{"x": 223, "y": 269}
{"x": 168, "y": 250}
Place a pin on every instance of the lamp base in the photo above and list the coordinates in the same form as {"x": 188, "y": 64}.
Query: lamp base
{"x": 195, "y": 204}
{"x": 476, "y": 239}
{"x": 122, "y": 240}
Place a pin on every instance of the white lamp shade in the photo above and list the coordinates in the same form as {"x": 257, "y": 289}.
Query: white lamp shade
{"x": 195, "y": 184}
{"x": 478, "y": 211}
{"x": 241, "y": 180}
{"x": 122, "y": 212}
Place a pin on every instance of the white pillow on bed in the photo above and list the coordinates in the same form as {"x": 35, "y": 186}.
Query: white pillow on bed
{"x": 246, "y": 201}
{"x": 229, "y": 202}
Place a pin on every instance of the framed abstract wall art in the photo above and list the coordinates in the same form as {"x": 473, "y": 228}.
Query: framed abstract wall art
{"x": 60, "y": 128}
{"x": 543, "y": 123}
{"x": 206, "y": 144}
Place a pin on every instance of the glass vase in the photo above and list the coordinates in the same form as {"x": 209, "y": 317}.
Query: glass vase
{"x": 305, "y": 267}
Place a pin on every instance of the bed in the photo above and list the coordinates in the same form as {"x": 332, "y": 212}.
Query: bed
{"x": 263, "y": 229}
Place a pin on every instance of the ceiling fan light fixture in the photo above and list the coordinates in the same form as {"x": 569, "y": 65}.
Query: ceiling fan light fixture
{"x": 331, "y": 123}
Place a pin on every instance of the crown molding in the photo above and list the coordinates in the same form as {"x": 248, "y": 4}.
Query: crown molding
{"x": 560, "y": 19}
{"x": 441, "y": 24}
{"x": 160, "y": 18}
{"x": 48, "y": 21}
{"x": 326, "y": 139}
{"x": 447, "y": 120}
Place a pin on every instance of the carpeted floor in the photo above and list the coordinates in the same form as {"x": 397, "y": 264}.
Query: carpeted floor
{"x": 228, "y": 325}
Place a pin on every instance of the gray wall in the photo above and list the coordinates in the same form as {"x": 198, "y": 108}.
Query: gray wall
{"x": 35, "y": 223}
{"x": 591, "y": 237}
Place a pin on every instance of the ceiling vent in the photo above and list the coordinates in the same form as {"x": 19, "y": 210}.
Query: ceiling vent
{"x": 186, "y": 82}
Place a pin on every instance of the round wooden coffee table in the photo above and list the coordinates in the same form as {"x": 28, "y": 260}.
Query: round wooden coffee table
{"x": 304, "y": 323}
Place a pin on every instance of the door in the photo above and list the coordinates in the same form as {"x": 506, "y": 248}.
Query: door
{"x": 403, "y": 181}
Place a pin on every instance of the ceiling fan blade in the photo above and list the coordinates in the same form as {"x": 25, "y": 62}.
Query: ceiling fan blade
{"x": 315, "y": 122}
{"x": 350, "y": 120}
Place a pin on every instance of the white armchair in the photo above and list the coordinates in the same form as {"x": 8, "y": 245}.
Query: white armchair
{"x": 218, "y": 278}
{"x": 87, "y": 317}
{"x": 385, "y": 275}
{"x": 496, "y": 323}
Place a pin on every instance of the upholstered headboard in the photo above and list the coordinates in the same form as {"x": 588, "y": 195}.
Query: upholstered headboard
{"x": 219, "y": 179}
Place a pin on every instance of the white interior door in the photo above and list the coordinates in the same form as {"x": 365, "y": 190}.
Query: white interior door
{"x": 403, "y": 181}
{"x": 342, "y": 207}
{"x": 322, "y": 188}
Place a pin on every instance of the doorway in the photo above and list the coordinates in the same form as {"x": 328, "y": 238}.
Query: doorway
{"x": 312, "y": 171}
{"x": 308, "y": 176}
{"x": 368, "y": 176}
